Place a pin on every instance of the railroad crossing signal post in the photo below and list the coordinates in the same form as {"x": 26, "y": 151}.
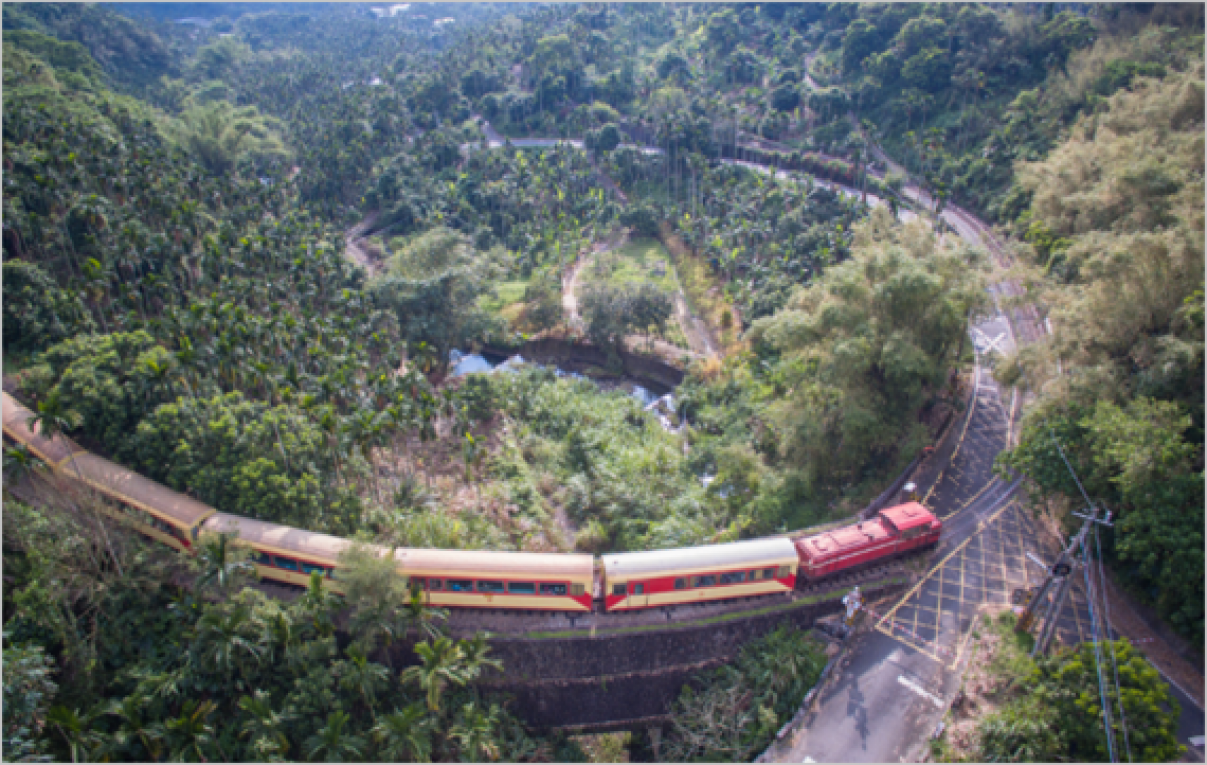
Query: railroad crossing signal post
{"x": 1057, "y": 584}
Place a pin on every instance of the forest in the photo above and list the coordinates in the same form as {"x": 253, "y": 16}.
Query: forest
{"x": 245, "y": 245}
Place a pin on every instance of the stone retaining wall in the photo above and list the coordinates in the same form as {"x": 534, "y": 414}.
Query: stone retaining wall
{"x": 616, "y": 682}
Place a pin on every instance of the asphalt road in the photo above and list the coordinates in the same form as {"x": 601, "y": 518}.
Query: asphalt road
{"x": 905, "y": 663}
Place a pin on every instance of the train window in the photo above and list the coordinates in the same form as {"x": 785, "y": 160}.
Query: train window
{"x": 785, "y": 571}
{"x": 768, "y": 573}
{"x": 460, "y": 585}
{"x": 310, "y": 567}
{"x": 434, "y": 584}
{"x": 680, "y": 584}
{"x": 733, "y": 577}
{"x": 577, "y": 589}
{"x": 553, "y": 589}
{"x": 619, "y": 589}
{"x": 521, "y": 588}
{"x": 490, "y": 587}
{"x": 418, "y": 583}
{"x": 286, "y": 563}
{"x": 708, "y": 580}
{"x": 261, "y": 558}
{"x": 638, "y": 589}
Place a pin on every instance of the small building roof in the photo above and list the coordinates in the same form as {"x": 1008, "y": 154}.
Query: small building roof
{"x": 776, "y": 551}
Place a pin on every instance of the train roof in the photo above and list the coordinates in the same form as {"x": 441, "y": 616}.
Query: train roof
{"x": 845, "y": 539}
{"x": 125, "y": 485}
{"x": 274, "y": 536}
{"x": 476, "y": 563}
{"x": 908, "y": 516}
{"x": 53, "y": 451}
{"x": 752, "y": 553}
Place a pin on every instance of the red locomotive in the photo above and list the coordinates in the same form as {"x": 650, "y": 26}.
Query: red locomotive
{"x": 894, "y": 531}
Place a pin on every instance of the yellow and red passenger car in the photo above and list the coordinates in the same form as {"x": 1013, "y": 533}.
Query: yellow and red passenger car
{"x": 698, "y": 574}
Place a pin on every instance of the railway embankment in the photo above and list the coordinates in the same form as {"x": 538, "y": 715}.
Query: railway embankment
{"x": 609, "y": 672}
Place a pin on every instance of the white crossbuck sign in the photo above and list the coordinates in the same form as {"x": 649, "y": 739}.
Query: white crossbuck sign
{"x": 985, "y": 343}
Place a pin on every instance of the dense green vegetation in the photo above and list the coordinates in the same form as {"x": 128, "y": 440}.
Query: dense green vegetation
{"x": 1116, "y": 252}
{"x": 105, "y": 659}
{"x": 733, "y": 713}
{"x": 1049, "y": 709}
{"x": 239, "y": 253}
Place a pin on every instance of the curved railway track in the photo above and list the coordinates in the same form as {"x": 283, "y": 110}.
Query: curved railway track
{"x": 176, "y": 520}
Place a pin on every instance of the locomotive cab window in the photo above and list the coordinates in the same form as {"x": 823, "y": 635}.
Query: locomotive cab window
{"x": 460, "y": 585}
{"x": 577, "y": 589}
{"x": 733, "y": 577}
{"x": 491, "y": 587}
{"x": 521, "y": 588}
{"x": 553, "y": 589}
{"x": 619, "y": 589}
{"x": 785, "y": 571}
{"x": 261, "y": 558}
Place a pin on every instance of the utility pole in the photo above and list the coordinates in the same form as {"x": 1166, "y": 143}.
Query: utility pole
{"x": 1057, "y": 584}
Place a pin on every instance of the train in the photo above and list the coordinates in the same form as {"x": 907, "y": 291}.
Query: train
{"x": 557, "y": 582}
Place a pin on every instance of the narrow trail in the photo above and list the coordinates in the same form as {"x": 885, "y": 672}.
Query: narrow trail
{"x": 353, "y": 238}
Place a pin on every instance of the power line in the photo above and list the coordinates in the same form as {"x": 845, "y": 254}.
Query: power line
{"x": 1106, "y": 605}
{"x": 1091, "y": 520}
{"x": 1098, "y": 660}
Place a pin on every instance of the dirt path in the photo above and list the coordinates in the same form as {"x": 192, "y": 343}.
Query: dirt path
{"x": 354, "y": 249}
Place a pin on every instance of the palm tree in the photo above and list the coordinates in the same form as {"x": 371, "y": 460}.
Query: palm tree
{"x": 135, "y": 727}
{"x": 405, "y": 735}
{"x": 189, "y": 732}
{"x": 263, "y": 724}
{"x": 20, "y": 462}
{"x": 376, "y": 621}
{"x": 426, "y": 616}
{"x": 474, "y": 651}
{"x": 474, "y": 732}
{"x": 443, "y": 663}
{"x": 364, "y": 676}
{"x": 54, "y": 417}
{"x": 320, "y": 604}
{"x": 221, "y": 644}
{"x": 332, "y": 744}
{"x": 218, "y": 562}
{"x": 76, "y": 730}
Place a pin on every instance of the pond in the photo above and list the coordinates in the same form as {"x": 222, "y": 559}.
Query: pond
{"x": 467, "y": 363}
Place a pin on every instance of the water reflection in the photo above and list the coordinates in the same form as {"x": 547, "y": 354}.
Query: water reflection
{"x": 470, "y": 363}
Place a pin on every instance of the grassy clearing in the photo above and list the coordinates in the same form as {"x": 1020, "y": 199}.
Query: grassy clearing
{"x": 639, "y": 261}
{"x": 505, "y": 294}
{"x": 704, "y": 294}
